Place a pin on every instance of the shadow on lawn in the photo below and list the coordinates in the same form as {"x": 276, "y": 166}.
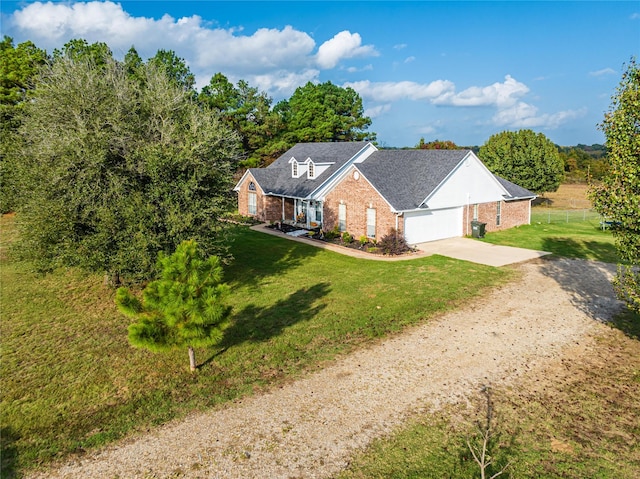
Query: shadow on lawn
{"x": 8, "y": 453}
{"x": 255, "y": 323}
{"x": 259, "y": 255}
{"x": 565, "y": 246}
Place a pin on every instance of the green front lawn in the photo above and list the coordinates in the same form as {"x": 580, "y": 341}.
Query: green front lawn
{"x": 574, "y": 239}
{"x": 70, "y": 380}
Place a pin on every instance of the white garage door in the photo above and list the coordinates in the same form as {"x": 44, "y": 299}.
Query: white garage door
{"x": 431, "y": 225}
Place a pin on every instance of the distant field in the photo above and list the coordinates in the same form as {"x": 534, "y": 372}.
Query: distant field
{"x": 568, "y": 196}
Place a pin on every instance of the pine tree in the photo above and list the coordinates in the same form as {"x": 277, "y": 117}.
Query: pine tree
{"x": 184, "y": 308}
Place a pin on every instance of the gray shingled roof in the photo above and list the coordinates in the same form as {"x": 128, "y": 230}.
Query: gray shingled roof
{"x": 276, "y": 178}
{"x": 515, "y": 191}
{"x": 406, "y": 177}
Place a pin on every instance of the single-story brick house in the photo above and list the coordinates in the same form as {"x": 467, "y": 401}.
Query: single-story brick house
{"x": 424, "y": 194}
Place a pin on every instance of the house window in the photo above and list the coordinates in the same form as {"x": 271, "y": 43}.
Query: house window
{"x": 342, "y": 217}
{"x": 475, "y": 212}
{"x": 253, "y": 209}
{"x": 294, "y": 168}
{"x": 498, "y": 212}
{"x": 311, "y": 171}
{"x": 371, "y": 222}
{"x": 252, "y": 186}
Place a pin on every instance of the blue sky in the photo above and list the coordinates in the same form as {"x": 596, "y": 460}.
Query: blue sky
{"x": 459, "y": 71}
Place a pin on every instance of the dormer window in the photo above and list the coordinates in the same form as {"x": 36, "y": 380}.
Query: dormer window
{"x": 311, "y": 170}
{"x": 294, "y": 168}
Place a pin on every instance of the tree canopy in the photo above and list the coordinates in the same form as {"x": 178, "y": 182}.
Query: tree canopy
{"x": 183, "y": 308}
{"x": 116, "y": 170}
{"x": 618, "y": 196}
{"x": 524, "y": 157}
{"x": 248, "y": 112}
{"x": 19, "y": 67}
{"x": 324, "y": 112}
{"x": 437, "y": 145}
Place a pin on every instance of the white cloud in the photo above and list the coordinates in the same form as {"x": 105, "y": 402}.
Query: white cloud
{"x": 427, "y": 130}
{"x": 283, "y": 83}
{"x": 365, "y": 68}
{"x": 50, "y": 23}
{"x": 501, "y": 95}
{"x": 400, "y": 46}
{"x": 604, "y": 71}
{"x": 524, "y": 115}
{"x": 343, "y": 45}
{"x": 635, "y": 16}
{"x": 279, "y": 60}
{"x": 376, "y": 111}
{"x": 505, "y": 97}
{"x": 409, "y": 59}
{"x": 393, "y": 91}
{"x": 266, "y": 49}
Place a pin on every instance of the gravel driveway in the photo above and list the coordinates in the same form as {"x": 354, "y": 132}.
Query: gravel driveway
{"x": 311, "y": 427}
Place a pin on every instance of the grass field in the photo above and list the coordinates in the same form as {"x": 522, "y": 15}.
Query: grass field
{"x": 568, "y": 197}
{"x": 71, "y": 382}
{"x": 576, "y": 238}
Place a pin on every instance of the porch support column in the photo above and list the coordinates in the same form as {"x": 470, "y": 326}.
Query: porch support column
{"x": 283, "y": 208}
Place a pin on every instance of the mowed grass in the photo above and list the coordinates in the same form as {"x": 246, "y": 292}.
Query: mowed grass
{"x": 574, "y": 239}
{"x": 70, "y": 380}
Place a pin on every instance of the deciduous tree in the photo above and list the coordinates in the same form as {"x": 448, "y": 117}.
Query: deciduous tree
{"x": 618, "y": 196}
{"x": 525, "y": 158}
{"x": 116, "y": 170}
{"x": 183, "y": 309}
{"x": 436, "y": 145}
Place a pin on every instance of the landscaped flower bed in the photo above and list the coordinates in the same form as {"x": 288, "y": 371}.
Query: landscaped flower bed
{"x": 392, "y": 244}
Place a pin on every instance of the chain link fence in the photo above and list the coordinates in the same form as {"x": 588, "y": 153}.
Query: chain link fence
{"x": 552, "y": 215}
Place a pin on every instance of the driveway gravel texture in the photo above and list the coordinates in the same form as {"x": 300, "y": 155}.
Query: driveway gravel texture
{"x": 309, "y": 428}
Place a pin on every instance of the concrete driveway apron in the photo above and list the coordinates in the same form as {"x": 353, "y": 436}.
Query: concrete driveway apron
{"x": 479, "y": 252}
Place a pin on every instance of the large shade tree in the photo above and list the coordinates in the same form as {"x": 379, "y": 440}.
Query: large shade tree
{"x": 618, "y": 196}
{"x": 526, "y": 158}
{"x": 119, "y": 167}
{"x": 184, "y": 308}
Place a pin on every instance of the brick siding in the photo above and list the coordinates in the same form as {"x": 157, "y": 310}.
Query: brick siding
{"x": 512, "y": 213}
{"x": 268, "y": 208}
{"x": 358, "y": 195}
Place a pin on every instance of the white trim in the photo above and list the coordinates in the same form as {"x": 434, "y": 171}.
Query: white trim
{"x": 322, "y": 190}
{"x": 374, "y": 188}
{"x": 470, "y": 155}
{"x": 246, "y": 173}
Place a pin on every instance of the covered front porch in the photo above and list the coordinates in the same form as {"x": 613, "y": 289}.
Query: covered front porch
{"x": 303, "y": 213}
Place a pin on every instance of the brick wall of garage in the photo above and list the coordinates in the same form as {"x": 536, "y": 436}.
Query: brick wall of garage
{"x": 358, "y": 195}
{"x": 513, "y": 213}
